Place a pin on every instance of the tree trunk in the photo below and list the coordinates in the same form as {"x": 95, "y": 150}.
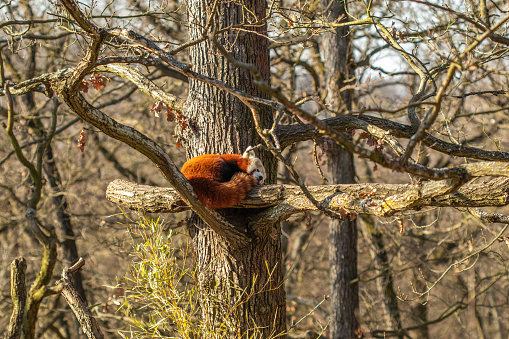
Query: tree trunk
{"x": 335, "y": 46}
{"x": 343, "y": 255}
{"x": 242, "y": 294}
{"x": 69, "y": 247}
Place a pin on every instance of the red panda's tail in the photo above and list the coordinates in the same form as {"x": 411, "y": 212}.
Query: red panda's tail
{"x": 215, "y": 194}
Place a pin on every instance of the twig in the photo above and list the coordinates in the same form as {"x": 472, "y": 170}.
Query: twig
{"x": 488, "y": 217}
{"x": 58, "y": 131}
{"x": 325, "y": 298}
{"x": 478, "y": 93}
{"x": 34, "y": 173}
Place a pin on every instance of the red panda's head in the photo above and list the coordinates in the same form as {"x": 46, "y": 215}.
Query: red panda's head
{"x": 255, "y": 166}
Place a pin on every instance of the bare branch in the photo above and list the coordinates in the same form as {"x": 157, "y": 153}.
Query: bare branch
{"x": 79, "y": 307}
{"x": 26, "y": 22}
{"x": 150, "y": 46}
{"x": 144, "y": 84}
{"x": 34, "y": 173}
{"x": 288, "y": 134}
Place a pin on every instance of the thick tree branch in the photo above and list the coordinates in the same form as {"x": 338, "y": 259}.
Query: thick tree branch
{"x": 158, "y": 156}
{"x": 281, "y": 201}
{"x": 42, "y": 83}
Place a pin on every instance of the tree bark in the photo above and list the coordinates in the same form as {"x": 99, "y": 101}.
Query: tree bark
{"x": 242, "y": 293}
{"x": 336, "y": 49}
{"x": 343, "y": 255}
{"x": 69, "y": 247}
{"x": 281, "y": 201}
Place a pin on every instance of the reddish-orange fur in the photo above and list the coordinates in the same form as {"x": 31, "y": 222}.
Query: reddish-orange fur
{"x": 220, "y": 181}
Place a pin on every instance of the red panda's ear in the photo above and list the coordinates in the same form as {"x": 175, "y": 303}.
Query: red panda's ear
{"x": 249, "y": 153}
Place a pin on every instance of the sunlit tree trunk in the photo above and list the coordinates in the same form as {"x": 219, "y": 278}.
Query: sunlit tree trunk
{"x": 241, "y": 290}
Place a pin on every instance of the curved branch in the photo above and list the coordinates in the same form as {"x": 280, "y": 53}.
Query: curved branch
{"x": 144, "y": 84}
{"x": 158, "y": 156}
{"x": 102, "y": 64}
{"x": 288, "y": 134}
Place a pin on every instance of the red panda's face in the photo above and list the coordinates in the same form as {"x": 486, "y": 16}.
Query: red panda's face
{"x": 256, "y": 169}
{"x": 259, "y": 176}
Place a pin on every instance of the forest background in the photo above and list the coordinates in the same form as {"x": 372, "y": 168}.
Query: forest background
{"x": 430, "y": 263}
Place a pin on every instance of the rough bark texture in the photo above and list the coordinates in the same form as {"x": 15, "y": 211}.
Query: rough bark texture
{"x": 242, "y": 293}
{"x": 281, "y": 201}
{"x": 336, "y": 49}
{"x": 385, "y": 281}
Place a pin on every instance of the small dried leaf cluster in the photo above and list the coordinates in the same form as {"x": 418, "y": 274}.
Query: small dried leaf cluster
{"x": 373, "y": 141}
{"x": 97, "y": 81}
{"x": 81, "y": 141}
{"x": 161, "y": 107}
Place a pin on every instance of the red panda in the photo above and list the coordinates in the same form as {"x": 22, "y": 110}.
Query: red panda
{"x": 222, "y": 180}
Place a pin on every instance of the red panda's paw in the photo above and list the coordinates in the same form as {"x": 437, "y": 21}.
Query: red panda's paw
{"x": 243, "y": 182}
